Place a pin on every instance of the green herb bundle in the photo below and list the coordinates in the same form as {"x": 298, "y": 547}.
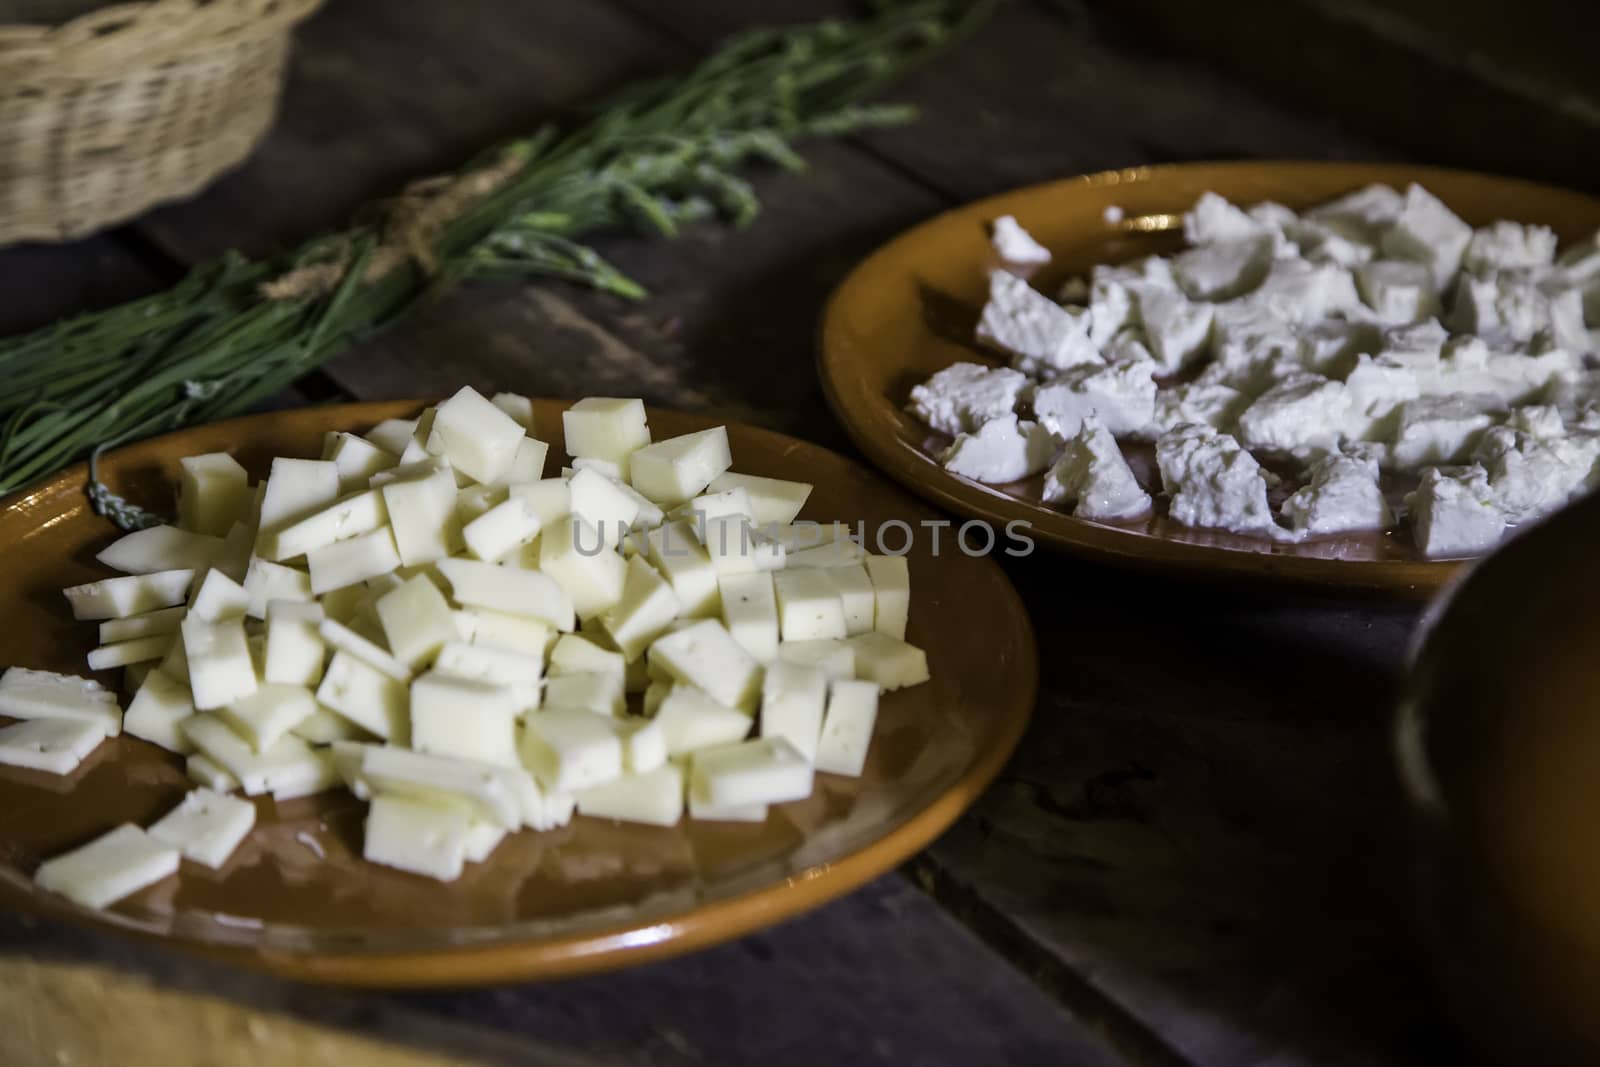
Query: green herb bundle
{"x": 652, "y": 158}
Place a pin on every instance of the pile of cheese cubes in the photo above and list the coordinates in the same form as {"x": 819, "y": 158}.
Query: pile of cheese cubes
{"x": 422, "y": 617}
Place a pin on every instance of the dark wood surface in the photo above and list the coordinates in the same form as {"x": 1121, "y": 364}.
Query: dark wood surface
{"x": 1192, "y": 858}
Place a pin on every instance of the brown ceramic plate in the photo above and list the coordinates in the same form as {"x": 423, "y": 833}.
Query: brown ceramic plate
{"x": 296, "y": 898}
{"x": 909, "y": 310}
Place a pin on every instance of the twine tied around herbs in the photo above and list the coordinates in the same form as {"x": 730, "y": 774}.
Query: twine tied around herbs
{"x": 412, "y": 222}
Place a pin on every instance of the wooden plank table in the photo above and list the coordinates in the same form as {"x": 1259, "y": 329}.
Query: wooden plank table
{"x": 1191, "y": 858}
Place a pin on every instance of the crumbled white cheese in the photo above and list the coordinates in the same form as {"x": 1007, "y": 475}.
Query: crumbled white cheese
{"x": 1002, "y": 450}
{"x": 1364, "y": 213}
{"x": 1177, "y": 330}
{"x": 1508, "y": 246}
{"x": 1399, "y": 292}
{"x": 1305, "y": 412}
{"x": 1212, "y": 481}
{"x": 1542, "y": 421}
{"x": 1121, "y": 395}
{"x": 1015, "y": 246}
{"x": 1527, "y": 477}
{"x": 1453, "y": 513}
{"x": 1428, "y": 232}
{"x": 1111, "y": 310}
{"x": 964, "y": 396}
{"x": 1214, "y": 219}
{"x": 1325, "y": 242}
{"x": 1342, "y": 493}
{"x": 1093, "y": 472}
{"x": 1431, "y": 430}
{"x": 1217, "y": 406}
{"x": 1223, "y": 270}
{"x": 1041, "y": 336}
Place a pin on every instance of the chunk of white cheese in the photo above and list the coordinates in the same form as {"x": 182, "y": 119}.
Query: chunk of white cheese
{"x": 654, "y": 798}
{"x": 891, "y": 589}
{"x": 678, "y": 555}
{"x": 766, "y": 770}
{"x": 1002, "y": 450}
{"x": 569, "y": 749}
{"x": 1342, "y": 493}
{"x": 268, "y": 714}
{"x": 417, "y": 622}
{"x": 691, "y": 720}
{"x": 1122, "y": 396}
{"x": 161, "y": 548}
{"x": 590, "y": 570}
{"x": 704, "y": 654}
{"x": 609, "y": 428}
{"x": 350, "y": 517}
{"x": 793, "y": 697}
{"x": 158, "y": 709}
{"x": 295, "y": 651}
{"x": 514, "y": 591}
{"x": 599, "y": 692}
{"x": 1039, "y": 335}
{"x": 213, "y": 493}
{"x": 355, "y": 560}
{"x": 1015, "y": 246}
{"x": 127, "y": 653}
{"x": 960, "y": 399}
{"x": 1430, "y": 233}
{"x": 1305, "y": 413}
{"x": 835, "y": 657}
{"x": 1095, "y": 476}
{"x": 110, "y": 867}
{"x": 647, "y": 607}
{"x": 477, "y": 438}
{"x": 367, "y": 697}
{"x": 678, "y": 469}
{"x": 206, "y": 826}
{"x": 750, "y": 612}
{"x": 149, "y": 624}
{"x": 134, "y": 594}
{"x": 809, "y": 606}
{"x": 220, "y": 667}
{"x": 55, "y": 746}
{"x": 422, "y": 515}
{"x": 1454, "y": 513}
{"x": 416, "y": 836}
{"x": 847, "y": 728}
{"x": 207, "y": 773}
{"x": 890, "y": 663}
{"x": 772, "y": 500}
{"x": 465, "y": 718}
{"x": 1212, "y": 481}
{"x": 289, "y": 761}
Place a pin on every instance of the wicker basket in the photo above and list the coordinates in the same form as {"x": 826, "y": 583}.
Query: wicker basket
{"x": 125, "y": 107}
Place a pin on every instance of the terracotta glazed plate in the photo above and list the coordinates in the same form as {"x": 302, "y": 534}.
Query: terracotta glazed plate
{"x": 296, "y": 899}
{"x": 909, "y": 310}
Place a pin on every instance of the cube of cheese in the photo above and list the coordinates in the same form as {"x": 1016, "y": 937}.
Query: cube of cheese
{"x": 219, "y": 597}
{"x": 417, "y": 621}
{"x": 528, "y": 594}
{"x": 134, "y": 594}
{"x": 357, "y": 460}
{"x": 603, "y": 504}
{"x": 704, "y": 654}
{"x": 323, "y": 727}
{"x": 483, "y": 837}
{"x": 496, "y": 629}
{"x": 55, "y": 746}
{"x": 602, "y": 693}
{"x": 1399, "y": 292}
{"x": 149, "y": 624}
{"x": 648, "y": 606}
{"x": 891, "y": 589}
{"x": 128, "y": 653}
{"x": 517, "y": 671}
{"x": 206, "y": 826}
{"x": 654, "y": 798}
{"x": 568, "y": 749}
{"x": 415, "y": 836}
{"x": 295, "y": 489}
{"x": 736, "y": 547}
{"x": 161, "y": 548}
{"x": 265, "y": 716}
{"x": 644, "y": 745}
{"x": 767, "y": 770}
{"x": 574, "y": 654}
{"x": 220, "y": 667}
{"x": 422, "y": 514}
{"x": 465, "y": 718}
{"x": 108, "y": 868}
{"x": 487, "y": 791}
{"x": 730, "y": 503}
{"x": 476, "y": 437}
{"x": 889, "y": 662}
{"x": 575, "y": 555}
{"x": 678, "y": 555}
{"x": 793, "y": 698}
{"x": 367, "y": 697}
{"x": 673, "y": 471}
{"x": 835, "y": 657}
{"x": 286, "y": 763}
{"x": 213, "y": 493}
{"x": 517, "y": 406}
{"x": 265, "y": 581}
{"x": 856, "y": 596}
{"x": 344, "y": 519}
{"x": 341, "y": 638}
{"x": 550, "y": 499}
{"x": 772, "y": 500}
{"x": 691, "y": 720}
{"x": 295, "y": 650}
{"x": 30, "y": 694}
{"x": 502, "y": 529}
{"x": 355, "y": 560}
{"x": 809, "y": 607}
{"x": 207, "y": 773}
{"x": 158, "y": 709}
{"x": 847, "y": 728}
{"x": 608, "y": 428}
{"x": 750, "y": 611}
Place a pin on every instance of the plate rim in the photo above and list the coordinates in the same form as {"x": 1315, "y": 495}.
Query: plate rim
{"x": 612, "y": 945}
{"x": 1405, "y": 580}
